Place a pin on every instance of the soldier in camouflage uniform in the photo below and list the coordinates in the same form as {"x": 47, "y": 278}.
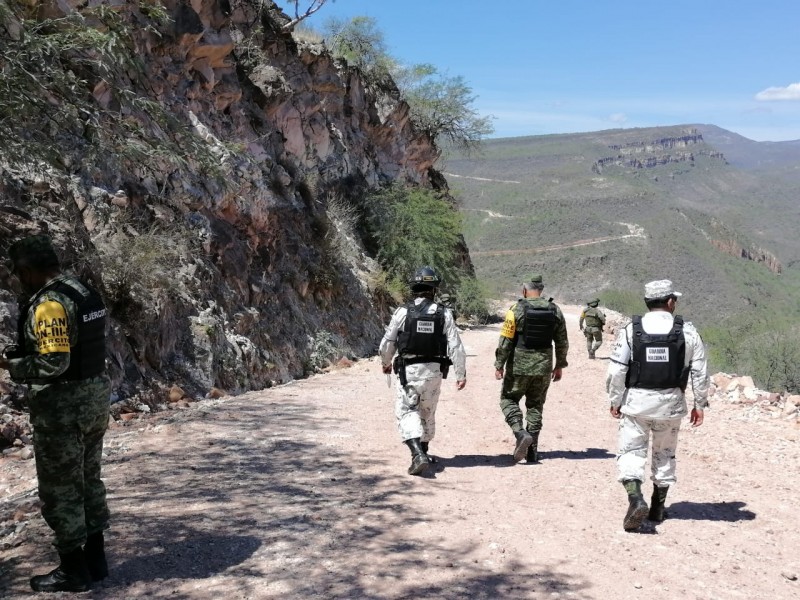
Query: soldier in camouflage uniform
{"x": 524, "y": 361}
{"x": 448, "y": 301}
{"x": 591, "y": 324}
{"x": 60, "y": 355}
{"x": 425, "y": 337}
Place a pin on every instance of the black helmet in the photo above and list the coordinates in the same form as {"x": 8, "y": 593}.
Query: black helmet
{"x": 424, "y": 277}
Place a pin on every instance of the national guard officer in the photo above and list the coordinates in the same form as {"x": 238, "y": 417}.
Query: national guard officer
{"x": 652, "y": 361}
{"x": 60, "y": 354}
{"x": 525, "y": 350}
{"x": 425, "y": 337}
{"x": 591, "y": 324}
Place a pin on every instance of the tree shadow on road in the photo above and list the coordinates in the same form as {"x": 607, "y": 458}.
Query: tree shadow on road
{"x": 710, "y": 511}
{"x": 257, "y": 502}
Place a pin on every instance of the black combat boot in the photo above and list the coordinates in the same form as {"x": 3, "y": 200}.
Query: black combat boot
{"x": 532, "y": 455}
{"x": 419, "y": 460}
{"x": 71, "y": 575}
{"x": 95, "y": 554}
{"x": 657, "y": 513}
{"x": 431, "y": 458}
{"x": 637, "y": 507}
{"x": 524, "y": 441}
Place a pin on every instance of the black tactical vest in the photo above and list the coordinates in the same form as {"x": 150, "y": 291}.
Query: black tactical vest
{"x": 657, "y": 360}
{"x": 539, "y": 324}
{"x": 423, "y": 334}
{"x": 88, "y": 356}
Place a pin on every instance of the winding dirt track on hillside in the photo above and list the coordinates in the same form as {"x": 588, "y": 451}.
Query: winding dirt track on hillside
{"x": 480, "y": 178}
{"x": 635, "y": 232}
{"x": 300, "y": 491}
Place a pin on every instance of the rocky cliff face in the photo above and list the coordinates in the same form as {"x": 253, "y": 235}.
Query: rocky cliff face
{"x": 752, "y": 253}
{"x": 242, "y": 273}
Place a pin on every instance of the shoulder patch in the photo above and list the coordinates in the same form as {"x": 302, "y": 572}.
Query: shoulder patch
{"x": 50, "y": 327}
{"x": 509, "y": 328}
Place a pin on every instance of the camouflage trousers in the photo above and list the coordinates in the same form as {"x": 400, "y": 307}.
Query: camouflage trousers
{"x": 534, "y": 388}
{"x": 69, "y": 421}
{"x": 634, "y": 439}
{"x": 415, "y": 408}
{"x": 594, "y": 338}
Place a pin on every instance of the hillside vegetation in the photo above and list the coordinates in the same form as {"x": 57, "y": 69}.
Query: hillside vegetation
{"x": 601, "y": 213}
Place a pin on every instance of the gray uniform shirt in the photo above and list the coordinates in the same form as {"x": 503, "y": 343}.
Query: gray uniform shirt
{"x": 669, "y": 403}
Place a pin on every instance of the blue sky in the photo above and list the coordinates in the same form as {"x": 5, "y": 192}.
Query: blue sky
{"x": 562, "y": 66}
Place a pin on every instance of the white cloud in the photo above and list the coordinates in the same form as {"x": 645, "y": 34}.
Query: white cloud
{"x": 790, "y": 92}
{"x": 618, "y": 118}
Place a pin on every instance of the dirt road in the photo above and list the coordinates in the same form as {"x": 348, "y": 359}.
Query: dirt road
{"x": 301, "y": 491}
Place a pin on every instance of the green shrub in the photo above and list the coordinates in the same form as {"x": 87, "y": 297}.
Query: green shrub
{"x": 413, "y": 227}
{"x": 471, "y": 299}
{"x": 773, "y": 361}
{"x": 361, "y": 44}
{"x": 623, "y": 301}
{"x": 767, "y": 349}
{"x": 142, "y": 265}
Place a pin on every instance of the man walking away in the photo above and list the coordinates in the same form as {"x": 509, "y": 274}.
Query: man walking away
{"x": 524, "y": 361}
{"x": 591, "y": 323}
{"x": 653, "y": 359}
{"x": 425, "y": 337}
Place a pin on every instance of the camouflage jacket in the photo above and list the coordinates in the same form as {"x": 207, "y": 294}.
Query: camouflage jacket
{"x": 48, "y": 333}
{"x": 530, "y": 362}
{"x": 593, "y": 317}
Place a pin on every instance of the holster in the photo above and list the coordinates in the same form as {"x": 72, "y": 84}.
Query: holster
{"x": 444, "y": 367}
{"x": 400, "y": 363}
{"x": 399, "y": 367}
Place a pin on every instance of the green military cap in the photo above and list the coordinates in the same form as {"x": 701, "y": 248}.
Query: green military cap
{"x": 36, "y": 251}
{"x": 594, "y": 302}
{"x": 536, "y": 278}
{"x": 444, "y": 297}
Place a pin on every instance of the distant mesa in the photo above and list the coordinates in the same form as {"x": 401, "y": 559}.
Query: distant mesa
{"x": 649, "y": 154}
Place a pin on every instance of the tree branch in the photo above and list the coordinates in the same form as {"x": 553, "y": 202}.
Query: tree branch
{"x": 313, "y": 7}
